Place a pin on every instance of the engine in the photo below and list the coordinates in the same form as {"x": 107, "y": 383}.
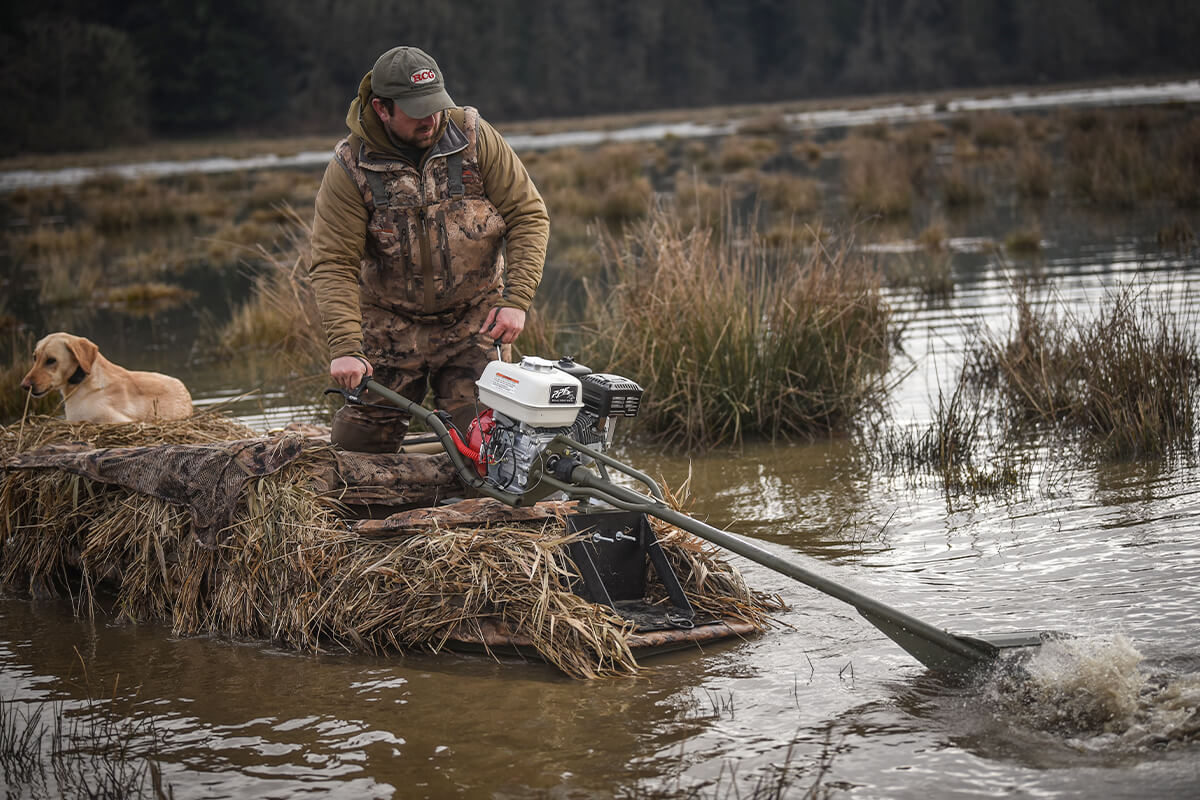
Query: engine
{"x": 532, "y": 402}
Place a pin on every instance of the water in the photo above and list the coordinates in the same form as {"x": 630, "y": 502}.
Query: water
{"x": 1166, "y": 92}
{"x": 1106, "y": 553}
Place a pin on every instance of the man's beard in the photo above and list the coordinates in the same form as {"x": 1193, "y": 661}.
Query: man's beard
{"x": 419, "y": 140}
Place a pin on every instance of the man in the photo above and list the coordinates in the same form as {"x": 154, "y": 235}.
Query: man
{"x": 418, "y": 212}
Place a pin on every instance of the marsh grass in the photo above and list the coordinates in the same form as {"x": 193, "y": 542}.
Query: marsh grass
{"x": 1108, "y": 167}
{"x": 590, "y": 169}
{"x": 996, "y": 130}
{"x": 63, "y": 282}
{"x": 789, "y": 194}
{"x": 156, "y": 260}
{"x": 934, "y": 237}
{"x": 1183, "y": 180}
{"x": 1124, "y": 381}
{"x": 109, "y": 241}
{"x": 962, "y": 186}
{"x": 806, "y": 151}
{"x": 609, "y": 185}
{"x": 138, "y": 205}
{"x": 546, "y": 334}
{"x": 147, "y": 298}
{"x": 34, "y": 205}
{"x": 104, "y": 208}
{"x": 236, "y": 243}
{"x": 1034, "y": 173}
{"x": 66, "y": 261}
{"x": 737, "y": 153}
{"x": 788, "y": 777}
{"x": 280, "y": 318}
{"x": 923, "y": 136}
{"x": 956, "y": 447}
{"x": 876, "y": 178}
{"x": 1177, "y": 235}
{"x": 68, "y": 242}
{"x": 279, "y": 189}
{"x": 794, "y": 234}
{"x": 16, "y": 357}
{"x": 1024, "y": 242}
{"x": 1126, "y": 157}
{"x": 929, "y": 272}
{"x": 699, "y": 204}
{"x": 52, "y": 751}
{"x": 732, "y": 339}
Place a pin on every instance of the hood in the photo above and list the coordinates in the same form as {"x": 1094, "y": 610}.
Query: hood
{"x": 364, "y": 123}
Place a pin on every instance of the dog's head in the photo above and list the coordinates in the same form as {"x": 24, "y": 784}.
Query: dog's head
{"x": 59, "y": 359}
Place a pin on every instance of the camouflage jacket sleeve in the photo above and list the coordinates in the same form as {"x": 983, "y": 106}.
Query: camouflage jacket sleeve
{"x": 511, "y": 190}
{"x": 339, "y": 237}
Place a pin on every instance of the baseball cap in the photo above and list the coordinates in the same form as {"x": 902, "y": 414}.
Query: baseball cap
{"x": 411, "y": 78}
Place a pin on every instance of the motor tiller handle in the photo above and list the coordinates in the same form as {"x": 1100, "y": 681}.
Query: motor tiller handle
{"x": 466, "y": 471}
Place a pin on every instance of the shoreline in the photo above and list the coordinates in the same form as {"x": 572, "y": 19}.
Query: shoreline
{"x": 806, "y": 116}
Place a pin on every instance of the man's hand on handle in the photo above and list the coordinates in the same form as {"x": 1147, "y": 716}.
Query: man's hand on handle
{"x": 504, "y": 324}
{"x": 348, "y": 371}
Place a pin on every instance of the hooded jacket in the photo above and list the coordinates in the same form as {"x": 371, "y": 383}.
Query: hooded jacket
{"x": 347, "y": 259}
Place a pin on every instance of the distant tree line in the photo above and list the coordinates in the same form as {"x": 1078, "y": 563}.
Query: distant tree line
{"x": 91, "y": 73}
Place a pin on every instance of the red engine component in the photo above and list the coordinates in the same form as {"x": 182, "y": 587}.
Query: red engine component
{"x": 479, "y": 433}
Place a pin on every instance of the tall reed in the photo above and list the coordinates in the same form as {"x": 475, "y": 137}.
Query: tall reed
{"x": 50, "y": 750}
{"x": 957, "y": 447}
{"x": 877, "y": 178}
{"x": 281, "y": 317}
{"x": 732, "y": 339}
{"x": 16, "y": 357}
{"x": 1126, "y": 380}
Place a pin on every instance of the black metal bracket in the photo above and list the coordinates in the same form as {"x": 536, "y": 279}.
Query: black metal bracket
{"x": 611, "y": 560}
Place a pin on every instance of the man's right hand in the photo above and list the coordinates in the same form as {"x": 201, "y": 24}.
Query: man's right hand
{"x": 348, "y": 371}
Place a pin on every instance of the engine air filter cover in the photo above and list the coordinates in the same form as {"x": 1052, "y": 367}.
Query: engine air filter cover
{"x": 534, "y": 392}
{"x": 607, "y": 395}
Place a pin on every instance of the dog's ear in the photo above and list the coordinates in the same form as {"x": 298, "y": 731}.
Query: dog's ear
{"x": 84, "y": 351}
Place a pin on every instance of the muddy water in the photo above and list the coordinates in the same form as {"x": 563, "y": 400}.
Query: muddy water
{"x": 1106, "y": 553}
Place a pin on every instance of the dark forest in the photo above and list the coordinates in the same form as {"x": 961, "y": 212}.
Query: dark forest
{"x": 92, "y": 74}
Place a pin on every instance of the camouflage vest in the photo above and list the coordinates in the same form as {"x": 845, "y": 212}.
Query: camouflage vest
{"x": 434, "y": 240}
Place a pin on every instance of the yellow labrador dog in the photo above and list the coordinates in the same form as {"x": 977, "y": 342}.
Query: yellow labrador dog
{"x": 96, "y": 390}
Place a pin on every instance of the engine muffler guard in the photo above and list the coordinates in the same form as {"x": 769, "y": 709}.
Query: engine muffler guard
{"x": 610, "y": 560}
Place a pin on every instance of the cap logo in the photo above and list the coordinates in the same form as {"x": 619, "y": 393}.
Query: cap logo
{"x": 422, "y": 77}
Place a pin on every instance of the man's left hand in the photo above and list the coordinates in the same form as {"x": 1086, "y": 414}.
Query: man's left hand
{"x": 504, "y": 324}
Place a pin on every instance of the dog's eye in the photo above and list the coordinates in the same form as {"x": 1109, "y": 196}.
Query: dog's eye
{"x": 50, "y": 362}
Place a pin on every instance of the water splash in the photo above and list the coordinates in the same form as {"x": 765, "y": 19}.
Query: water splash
{"x": 1095, "y": 691}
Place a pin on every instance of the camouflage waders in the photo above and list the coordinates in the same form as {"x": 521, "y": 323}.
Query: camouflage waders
{"x": 409, "y": 357}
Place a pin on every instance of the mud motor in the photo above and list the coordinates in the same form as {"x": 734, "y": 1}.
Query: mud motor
{"x": 545, "y": 431}
{"x": 532, "y": 402}
{"x": 543, "y": 416}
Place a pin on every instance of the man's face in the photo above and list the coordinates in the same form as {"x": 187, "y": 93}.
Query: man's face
{"x": 406, "y": 130}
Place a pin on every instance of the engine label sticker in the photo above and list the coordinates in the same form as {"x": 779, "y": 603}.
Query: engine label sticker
{"x": 505, "y": 384}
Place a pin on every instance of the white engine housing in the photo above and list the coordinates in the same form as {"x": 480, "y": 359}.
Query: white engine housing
{"x": 535, "y": 392}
